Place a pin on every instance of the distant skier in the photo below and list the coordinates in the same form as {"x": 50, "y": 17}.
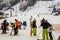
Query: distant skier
{"x": 45, "y": 26}
{"x": 38, "y": 15}
{"x": 54, "y": 10}
{"x": 34, "y": 28}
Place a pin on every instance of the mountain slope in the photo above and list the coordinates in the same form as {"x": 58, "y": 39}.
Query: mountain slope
{"x": 7, "y": 3}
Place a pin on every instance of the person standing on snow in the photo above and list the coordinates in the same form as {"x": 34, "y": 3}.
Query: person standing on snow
{"x": 4, "y": 26}
{"x": 13, "y": 26}
{"x": 31, "y": 24}
{"x": 50, "y": 32}
{"x": 34, "y": 28}
{"x": 16, "y": 27}
{"x": 45, "y": 26}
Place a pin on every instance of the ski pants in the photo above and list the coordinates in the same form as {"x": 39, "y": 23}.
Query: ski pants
{"x": 16, "y": 31}
{"x": 4, "y": 29}
{"x": 45, "y": 34}
{"x": 34, "y": 31}
{"x": 50, "y": 35}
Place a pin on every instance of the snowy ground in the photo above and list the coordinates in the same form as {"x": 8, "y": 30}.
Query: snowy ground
{"x": 24, "y": 35}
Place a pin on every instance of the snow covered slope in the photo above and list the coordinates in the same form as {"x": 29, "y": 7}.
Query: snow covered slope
{"x": 41, "y": 7}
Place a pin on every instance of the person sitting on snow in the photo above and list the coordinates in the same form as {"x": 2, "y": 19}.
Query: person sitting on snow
{"x": 24, "y": 24}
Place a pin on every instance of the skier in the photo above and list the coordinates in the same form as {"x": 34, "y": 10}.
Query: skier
{"x": 34, "y": 28}
{"x": 45, "y": 26}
